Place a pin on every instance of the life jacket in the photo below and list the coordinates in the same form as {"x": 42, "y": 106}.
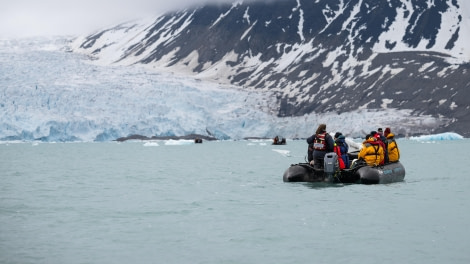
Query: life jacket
{"x": 320, "y": 143}
{"x": 344, "y": 148}
{"x": 373, "y": 157}
{"x": 337, "y": 150}
{"x": 376, "y": 147}
{"x": 393, "y": 151}
{"x": 390, "y": 140}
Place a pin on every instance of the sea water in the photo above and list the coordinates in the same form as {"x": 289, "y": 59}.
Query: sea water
{"x": 225, "y": 202}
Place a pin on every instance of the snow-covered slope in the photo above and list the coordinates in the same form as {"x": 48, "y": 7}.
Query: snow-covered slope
{"x": 247, "y": 69}
{"x": 315, "y": 56}
{"x": 49, "y": 94}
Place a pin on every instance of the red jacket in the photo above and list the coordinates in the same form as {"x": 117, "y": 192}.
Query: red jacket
{"x": 337, "y": 150}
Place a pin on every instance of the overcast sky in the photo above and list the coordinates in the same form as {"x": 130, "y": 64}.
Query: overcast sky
{"x": 21, "y": 18}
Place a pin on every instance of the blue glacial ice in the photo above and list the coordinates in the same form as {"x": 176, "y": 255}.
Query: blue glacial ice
{"x": 50, "y": 94}
{"x": 438, "y": 137}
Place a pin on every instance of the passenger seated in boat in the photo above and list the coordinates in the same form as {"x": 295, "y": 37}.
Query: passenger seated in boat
{"x": 381, "y": 133}
{"x": 371, "y": 152}
{"x": 340, "y": 143}
{"x": 322, "y": 143}
{"x": 393, "y": 151}
{"x": 378, "y": 138}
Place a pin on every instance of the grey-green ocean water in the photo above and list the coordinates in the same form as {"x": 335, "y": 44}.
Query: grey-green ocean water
{"x": 225, "y": 202}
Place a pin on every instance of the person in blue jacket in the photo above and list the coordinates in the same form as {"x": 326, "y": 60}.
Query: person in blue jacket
{"x": 343, "y": 146}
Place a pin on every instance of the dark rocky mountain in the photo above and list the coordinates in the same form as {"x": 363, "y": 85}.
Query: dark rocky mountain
{"x": 317, "y": 56}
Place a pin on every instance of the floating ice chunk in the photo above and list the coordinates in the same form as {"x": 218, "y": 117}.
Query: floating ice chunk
{"x": 151, "y": 144}
{"x": 438, "y": 137}
{"x": 283, "y": 152}
{"x": 180, "y": 142}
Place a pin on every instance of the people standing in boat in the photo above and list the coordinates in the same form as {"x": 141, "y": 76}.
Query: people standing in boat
{"x": 371, "y": 152}
{"x": 321, "y": 143}
{"x": 342, "y": 146}
{"x": 392, "y": 147}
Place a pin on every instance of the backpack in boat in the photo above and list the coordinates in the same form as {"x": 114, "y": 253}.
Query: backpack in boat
{"x": 376, "y": 146}
{"x": 320, "y": 142}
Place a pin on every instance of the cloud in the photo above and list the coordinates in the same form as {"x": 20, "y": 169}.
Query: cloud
{"x": 21, "y": 18}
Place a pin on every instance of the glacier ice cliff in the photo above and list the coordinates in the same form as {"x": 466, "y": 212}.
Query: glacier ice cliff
{"x": 50, "y": 94}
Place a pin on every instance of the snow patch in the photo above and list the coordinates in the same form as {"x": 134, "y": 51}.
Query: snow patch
{"x": 386, "y": 102}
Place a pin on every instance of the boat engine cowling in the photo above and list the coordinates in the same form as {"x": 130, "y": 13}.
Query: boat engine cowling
{"x": 330, "y": 163}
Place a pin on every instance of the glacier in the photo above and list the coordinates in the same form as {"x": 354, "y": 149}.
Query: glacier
{"x": 50, "y": 94}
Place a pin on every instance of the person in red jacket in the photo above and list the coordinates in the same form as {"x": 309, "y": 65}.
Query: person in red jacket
{"x": 378, "y": 138}
{"x": 337, "y": 150}
{"x": 341, "y": 149}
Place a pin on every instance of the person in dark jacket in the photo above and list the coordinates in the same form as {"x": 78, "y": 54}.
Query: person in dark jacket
{"x": 344, "y": 148}
{"x": 381, "y": 133}
{"x": 321, "y": 143}
{"x": 337, "y": 134}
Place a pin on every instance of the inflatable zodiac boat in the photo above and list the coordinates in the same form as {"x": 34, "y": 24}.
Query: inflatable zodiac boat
{"x": 279, "y": 141}
{"x": 360, "y": 173}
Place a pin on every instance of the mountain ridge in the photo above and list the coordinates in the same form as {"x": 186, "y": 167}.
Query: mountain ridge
{"x": 316, "y": 56}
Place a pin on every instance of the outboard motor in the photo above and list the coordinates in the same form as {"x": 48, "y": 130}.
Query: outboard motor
{"x": 330, "y": 165}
